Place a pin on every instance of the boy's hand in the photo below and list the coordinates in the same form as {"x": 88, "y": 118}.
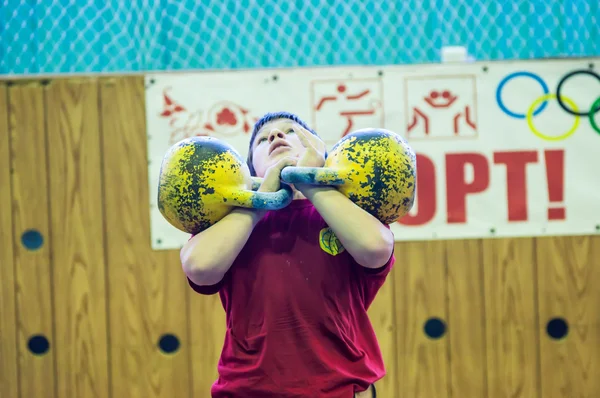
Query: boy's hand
{"x": 315, "y": 149}
{"x": 272, "y": 179}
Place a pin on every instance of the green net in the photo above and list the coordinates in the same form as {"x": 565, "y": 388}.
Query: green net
{"x": 93, "y": 36}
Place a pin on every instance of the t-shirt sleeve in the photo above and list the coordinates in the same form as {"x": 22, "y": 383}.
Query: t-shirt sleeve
{"x": 206, "y": 290}
{"x": 372, "y": 279}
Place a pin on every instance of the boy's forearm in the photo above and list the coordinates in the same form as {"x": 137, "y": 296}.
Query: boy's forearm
{"x": 208, "y": 256}
{"x": 368, "y": 241}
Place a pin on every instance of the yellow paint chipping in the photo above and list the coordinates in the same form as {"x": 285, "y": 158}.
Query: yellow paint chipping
{"x": 379, "y": 174}
{"x": 198, "y": 189}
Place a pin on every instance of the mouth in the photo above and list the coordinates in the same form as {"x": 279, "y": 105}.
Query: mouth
{"x": 277, "y": 145}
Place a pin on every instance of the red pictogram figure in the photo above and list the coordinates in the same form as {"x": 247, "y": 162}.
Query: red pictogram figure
{"x": 438, "y": 100}
{"x": 225, "y": 118}
{"x": 170, "y": 108}
{"x": 341, "y": 88}
{"x": 228, "y": 118}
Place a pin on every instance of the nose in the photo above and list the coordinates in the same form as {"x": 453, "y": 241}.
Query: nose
{"x": 275, "y": 133}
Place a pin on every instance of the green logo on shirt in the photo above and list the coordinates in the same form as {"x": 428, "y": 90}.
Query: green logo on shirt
{"x": 329, "y": 242}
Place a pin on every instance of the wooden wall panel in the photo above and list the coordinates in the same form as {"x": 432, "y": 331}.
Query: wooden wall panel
{"x": 77, "y": 236}
{"x": 511, "y": 318}
{"x": 207, "y": 335}
{"x": 466, "y": 318}
{"x": 8, "y": 319}
{"x": 147, "y": 294}
{"x": 382, "y": 314}
{"x": 103, "y": 298}
{"x": 569, "y": 280}
{"x": 30, "y": 208}
{"x": 420, "y": 292}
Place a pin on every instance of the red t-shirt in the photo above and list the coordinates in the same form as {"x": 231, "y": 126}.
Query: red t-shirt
{"x": 296, "y": 308}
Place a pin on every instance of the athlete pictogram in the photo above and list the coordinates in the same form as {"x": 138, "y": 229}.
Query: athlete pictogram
{"x": 341, "y": 106}
{"x": 440, "y": 107}
{"x": 224, "y": 118}
{"x": 438, "y": 100}
{"x": 540, "y": 103}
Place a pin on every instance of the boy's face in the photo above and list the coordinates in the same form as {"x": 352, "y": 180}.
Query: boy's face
{"x": 274, "y": 141}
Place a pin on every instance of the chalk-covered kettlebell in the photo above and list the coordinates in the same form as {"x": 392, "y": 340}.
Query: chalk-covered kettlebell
{"x": 375, "y": 168}
{"x": 202, "y": 179}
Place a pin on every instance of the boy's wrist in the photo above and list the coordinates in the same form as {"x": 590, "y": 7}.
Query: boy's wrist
{"x": 255, "y": 214}
{"x": 310, "y": 191}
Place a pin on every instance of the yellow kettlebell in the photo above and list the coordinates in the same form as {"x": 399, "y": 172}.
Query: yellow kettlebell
{"x": 202, "y": 179}
{"x": 375, "y": 168}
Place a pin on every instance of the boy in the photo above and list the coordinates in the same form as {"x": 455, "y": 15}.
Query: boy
{"x": 295, "y": 283}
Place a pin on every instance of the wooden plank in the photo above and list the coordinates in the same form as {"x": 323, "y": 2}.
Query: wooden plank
{"x": 208, "y": 328}
{"x": 568, "y": 270}
{"x": 511, "y": 318}
{"x": 382, "y": 314}
{"x": 466, "y": 318}
{"x": 77, "y": 238}
{"x": 147, "y": 295}
{"x": 30, "y": 213}
{"x": 9, "y": 382}
{"x": 420, "y": 294}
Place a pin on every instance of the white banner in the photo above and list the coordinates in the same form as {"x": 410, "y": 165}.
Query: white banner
{"x": 498, "y": 154}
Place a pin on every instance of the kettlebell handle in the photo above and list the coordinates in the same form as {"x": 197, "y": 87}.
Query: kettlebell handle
{"x": 256, "y": 181}
{"x": 313, "y": 175}
{"x": 261, "y": 200}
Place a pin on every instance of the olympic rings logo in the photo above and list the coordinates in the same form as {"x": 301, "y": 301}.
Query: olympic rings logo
{"x": 540, "y": 103}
